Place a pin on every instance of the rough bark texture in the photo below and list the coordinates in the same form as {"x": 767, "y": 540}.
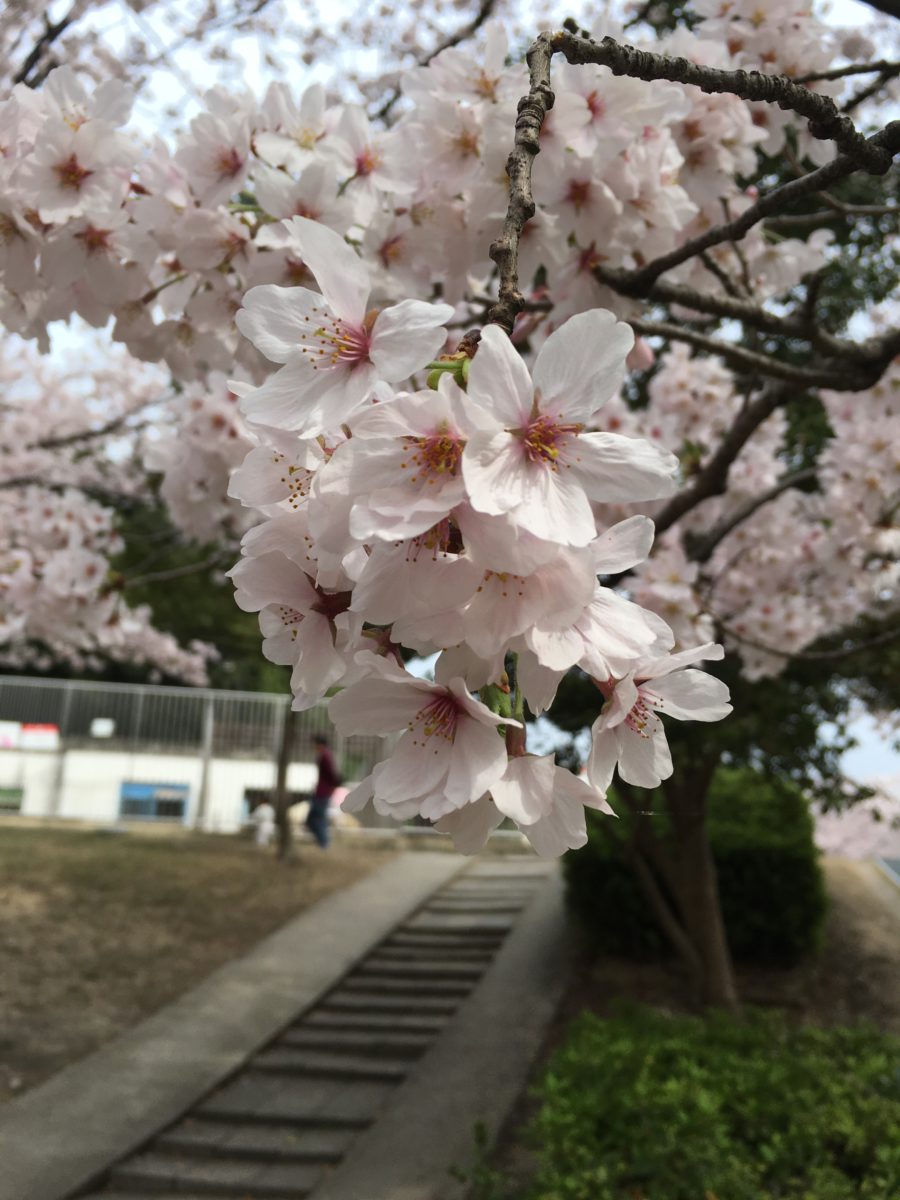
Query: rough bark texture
{"x": 282, "y": 803}
{"x": 697, "y": 889}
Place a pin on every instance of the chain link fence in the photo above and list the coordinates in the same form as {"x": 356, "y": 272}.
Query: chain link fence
{"x": 105, "y": 752}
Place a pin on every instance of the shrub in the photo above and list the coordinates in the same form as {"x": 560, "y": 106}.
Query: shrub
{"x": 770, "y": 882}
{"x": 650, "y": 1107}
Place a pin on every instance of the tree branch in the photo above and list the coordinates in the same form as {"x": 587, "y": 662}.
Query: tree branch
{"x": 47, "y": 38}
{"x": 638, "y": 282}
{"x": 826, "y": 122}
{"x": 194, "y": 568}
{"x": 829, "y": 375}
{"x": 86, "y": 435}
{"x": 883, "y": 639}
{"x": 712, "y": 479}
{"x": 700, "y": 547}
{"x": 882, "y": 66}
{"x": 504, "y": 251}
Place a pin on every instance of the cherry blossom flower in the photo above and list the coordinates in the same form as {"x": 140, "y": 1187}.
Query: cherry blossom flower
{"x": 334, "y": 349}
{"x": 539, "y": 464}
{"x": 449, "y": 753}
{"x": 629, "y": 733}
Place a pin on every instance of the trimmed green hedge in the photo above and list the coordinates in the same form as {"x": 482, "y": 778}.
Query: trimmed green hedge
{"x": 650, "y": 1107}
{"x": 770, "y": 882}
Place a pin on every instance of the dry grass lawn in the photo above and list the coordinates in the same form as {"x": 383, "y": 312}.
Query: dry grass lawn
{"x": 98, "y": 930}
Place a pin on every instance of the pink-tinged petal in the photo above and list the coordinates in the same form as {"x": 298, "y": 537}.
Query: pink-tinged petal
{"x": 271, "y": 579}
{"x": 377, "y": 705}
{"x": 478, "y": 761}
{"x": 601, "y": 764}
{"x": 416, "y": 767}
{"x": 339, "y": 271}
{"x": 554, "y": 505}
{"x": 272, "y": 317}
{"x": 494, "y": 470}
{"x": 496, "y": 542}
{"x": 406, "y": 337}
{"x": 278, "y": 625}
{"x": 582, "y": 364}
{"x": 460, "y": 663}
{"x": 525, "y": 793}
{"x": 538, "y": 683}
{"x": 612, "y": 468}
{"x": 689, "y": 696}
{"x": 319, "y": 664}
{"x": 563, "y": 828}
{"x": 499, "y": 380}
{"x": 623, "y": 546}
{"x": 309, "y": 402}
{"x": 556, "y": 649}
{"x": 474, "y": 708}
{"x": 614, "y": 628}
{"x": 643, "y": 761}
{"x": 357, "y": 800}
{"x": 575, "y": 788}
{"x": 619, "y": 705}
{"x": 709, "y": 652}
{"x": 471, "y": 826}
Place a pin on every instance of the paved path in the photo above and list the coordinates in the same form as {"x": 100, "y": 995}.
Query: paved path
{"x": 361, "y": 1075}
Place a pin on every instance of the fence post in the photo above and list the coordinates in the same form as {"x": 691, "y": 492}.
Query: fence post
{"x": 206, "y": 750}
{"x": 59, "y": 773}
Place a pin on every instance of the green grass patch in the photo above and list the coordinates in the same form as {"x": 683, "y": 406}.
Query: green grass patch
{"x": 649, "y": 1107}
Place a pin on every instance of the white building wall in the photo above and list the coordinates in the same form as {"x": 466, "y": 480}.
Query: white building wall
{"x": 89, "y": 782}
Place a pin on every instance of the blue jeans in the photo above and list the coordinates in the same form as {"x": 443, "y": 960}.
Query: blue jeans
{"x": 317, "y": 820}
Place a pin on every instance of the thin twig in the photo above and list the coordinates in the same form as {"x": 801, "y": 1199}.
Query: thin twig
{"x": 466, "y": 31}
{"x": 712, "y": 479}
{"x": 883, "y": 639}
{"x": 505, "y": 250}
{"x": 854, "y": 69}
{"x": 830, "y": 375}
{"x": 826, "y": 122}
{"x": 194, "y": 568}
{"x": 700, "y": 547}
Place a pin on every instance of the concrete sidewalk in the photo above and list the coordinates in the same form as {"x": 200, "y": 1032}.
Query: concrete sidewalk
{"x": 61, "y": 1135}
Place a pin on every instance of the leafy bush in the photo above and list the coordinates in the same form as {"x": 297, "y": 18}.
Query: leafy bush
{"x": 649, "y": 1107}
{"x": 770, "y": 881}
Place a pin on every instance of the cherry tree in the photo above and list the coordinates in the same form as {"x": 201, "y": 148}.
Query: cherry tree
{"x": 530, "y": 416}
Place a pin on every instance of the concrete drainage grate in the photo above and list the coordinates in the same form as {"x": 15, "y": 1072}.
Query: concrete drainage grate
{"x": 276, "y": 1127}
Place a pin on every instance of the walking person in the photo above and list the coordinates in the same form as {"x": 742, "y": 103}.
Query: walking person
{"x": 329, "y": 779}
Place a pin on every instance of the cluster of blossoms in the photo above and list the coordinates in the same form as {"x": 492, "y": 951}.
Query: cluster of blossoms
{"x": 457, "y": 520}
{"x": 60, "y": 488}
{"x": 165, "y": 241}
{"x": 402, "y": 499}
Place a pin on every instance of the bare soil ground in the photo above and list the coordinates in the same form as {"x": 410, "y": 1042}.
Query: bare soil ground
{"x": 98, "y": 930}
{"x": 856, "y": 977}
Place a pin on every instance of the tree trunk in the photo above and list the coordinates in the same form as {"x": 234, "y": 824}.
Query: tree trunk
{"x": 677, "y": 875}
{"x": 282, "y": 802}
{"x": 697, "y": 889}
